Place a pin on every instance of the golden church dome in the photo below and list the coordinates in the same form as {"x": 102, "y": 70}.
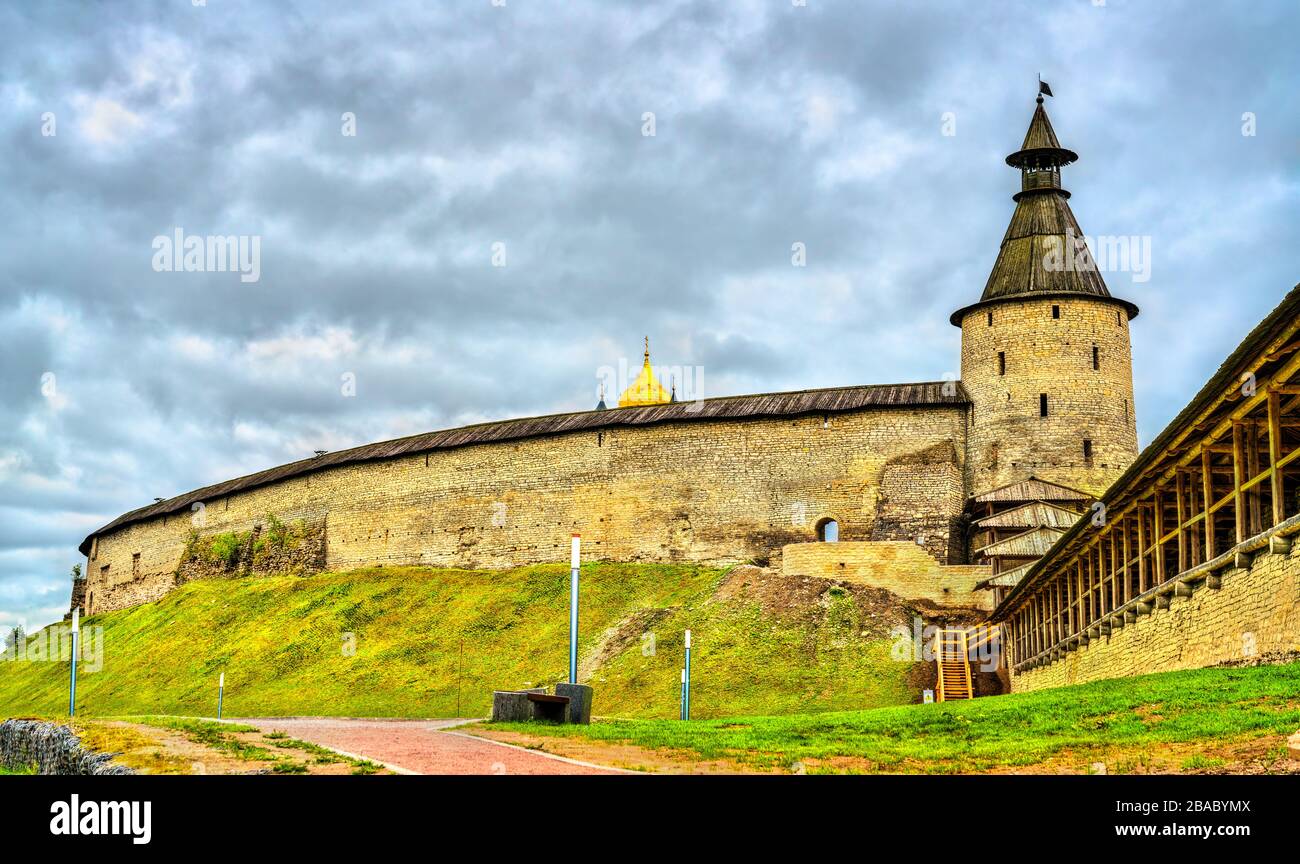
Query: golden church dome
{"x": 646, "y": 389}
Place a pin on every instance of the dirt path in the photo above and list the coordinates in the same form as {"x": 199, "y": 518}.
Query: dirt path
{"x": 421, "y": 746}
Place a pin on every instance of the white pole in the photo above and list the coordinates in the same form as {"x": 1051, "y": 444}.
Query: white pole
{"x": 686, "y": 682}
{"x": 221, "y": 692}
{"x": 681, "y": 709}
{"x": 72, "y": 682}
{"x": 575, "y": 560}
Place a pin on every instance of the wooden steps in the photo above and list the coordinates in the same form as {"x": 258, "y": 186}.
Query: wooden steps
{"x": 952, "y": 652}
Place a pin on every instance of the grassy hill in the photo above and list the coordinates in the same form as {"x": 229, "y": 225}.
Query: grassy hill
{"x": 421, "y": 642}
{"x": 1204, "y": 720}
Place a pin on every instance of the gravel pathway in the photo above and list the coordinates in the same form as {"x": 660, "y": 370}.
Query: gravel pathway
{"x": 421, "y": 746}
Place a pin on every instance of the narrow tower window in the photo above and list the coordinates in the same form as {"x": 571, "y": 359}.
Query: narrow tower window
{"x": 1002, "y": 362}
{"x": 1096, "y": 357}
{"x": 990, "y": 319}
{"x": 1042, "y": 404}
{"x": 1087, "y": 449}
{"x": 1056, "y": 311}
{"x": 1119, "y": 318}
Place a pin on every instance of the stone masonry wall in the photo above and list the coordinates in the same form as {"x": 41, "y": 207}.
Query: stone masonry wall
{"x": 912, "y": 491}
{"x": 1253, "y": 617}
{"x": 708, "y": 491}
{"x": 901, "y": 567}
{"x": 1008, "y": 439}
{"x": 53, "y": 749}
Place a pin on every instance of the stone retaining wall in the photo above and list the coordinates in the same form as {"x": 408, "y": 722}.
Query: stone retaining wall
{"x": 905, "y": 568}
{"x": 53, "y": 749}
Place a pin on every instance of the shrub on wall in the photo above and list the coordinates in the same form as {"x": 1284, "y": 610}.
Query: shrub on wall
{"x": 224, "y": 549}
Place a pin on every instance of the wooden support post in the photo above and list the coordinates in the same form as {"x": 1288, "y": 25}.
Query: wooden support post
{"x": 1079, "y": 595}
{"x": 1238, "y": 466}
{"x": 1128, "y": 576}
{"x": 1275, "y": 454}
{"x": 1180, "y": 509}
{"x": 1114, "y": 569}
{"x": 1157, "y": 548}
{"x": 1207, "y": 491}
{"x": 1142, "y": 549}
{"x": 1072, "y": 620}
{"x": 1252, "y": 471}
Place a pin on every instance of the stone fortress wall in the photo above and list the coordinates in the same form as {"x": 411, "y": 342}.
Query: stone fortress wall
{"x": 1254, "y": 617}
{"x": 715, "y": 491}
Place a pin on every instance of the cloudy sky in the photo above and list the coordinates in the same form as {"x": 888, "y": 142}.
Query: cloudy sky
{"x": 515, "y": 133}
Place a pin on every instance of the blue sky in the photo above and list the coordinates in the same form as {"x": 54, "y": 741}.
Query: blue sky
{"x": 523, "y": 125}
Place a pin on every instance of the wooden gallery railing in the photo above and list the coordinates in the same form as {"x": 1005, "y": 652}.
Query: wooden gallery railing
{"x": 1208, "y": 511}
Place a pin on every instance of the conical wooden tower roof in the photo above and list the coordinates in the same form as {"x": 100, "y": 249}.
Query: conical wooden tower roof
{"x": 1042, "y": 252}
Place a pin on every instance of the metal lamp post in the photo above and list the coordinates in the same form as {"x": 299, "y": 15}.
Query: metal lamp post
{"x": 681, "y": 709}
{"x": 686, "y": 681}
{"x": 575, "y": 557}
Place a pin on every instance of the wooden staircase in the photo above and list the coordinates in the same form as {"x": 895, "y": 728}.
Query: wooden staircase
{"x": 952, "y": 656}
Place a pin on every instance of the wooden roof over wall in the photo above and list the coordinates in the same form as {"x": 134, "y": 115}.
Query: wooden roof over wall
{"x": 1029, "y": 544}
{"x": 1036, "y": 514}
{"x": 764, "y": 405}
{"x": 1031, "y": 489}
{"x": 1005, "y": 579}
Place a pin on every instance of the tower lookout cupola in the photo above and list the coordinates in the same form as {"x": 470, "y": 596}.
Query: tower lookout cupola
{"x": 1045, "y": 351}
{"x": 1043, "y": 252}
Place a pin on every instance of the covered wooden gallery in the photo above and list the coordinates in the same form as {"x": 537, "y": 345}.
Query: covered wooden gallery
{"x": 1220, "y": 484}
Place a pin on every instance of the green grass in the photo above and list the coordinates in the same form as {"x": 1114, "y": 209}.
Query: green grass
{"x": 412, "y": 642}
{"x": 1132, "y": 719}
{"x": 25, "y": 770}
{"x": 210, "y": 733}
{"x": 221, "y": 736}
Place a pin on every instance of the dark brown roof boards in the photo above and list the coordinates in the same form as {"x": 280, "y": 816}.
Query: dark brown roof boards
{"x": 828, "y": 400}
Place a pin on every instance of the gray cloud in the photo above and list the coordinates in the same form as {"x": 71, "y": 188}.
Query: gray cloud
{"x": 477, "y": 124}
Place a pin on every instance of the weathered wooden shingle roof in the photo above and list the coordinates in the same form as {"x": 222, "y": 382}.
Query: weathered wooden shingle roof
{"x": 1029, "y": 544}
{"x": 828, "y": 400}
{"x": 1036, "y": 514}
{"x": 1040, "y": 146}
{"x": 1005, "y": 579}
{"x": 1031, "y": 489}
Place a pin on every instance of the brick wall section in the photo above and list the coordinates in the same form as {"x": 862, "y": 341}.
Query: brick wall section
{"x": 707, "y": 491}
{"x": 1254, "y": 616}
{"x": 903, "y": 568}
{"x": 1008, "y": 439}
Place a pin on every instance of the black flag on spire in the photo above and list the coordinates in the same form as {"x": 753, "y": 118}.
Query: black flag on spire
{"x": 1043, "y": 88}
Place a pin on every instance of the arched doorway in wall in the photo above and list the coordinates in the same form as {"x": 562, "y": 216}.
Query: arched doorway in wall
{"x": 828, "y": 531}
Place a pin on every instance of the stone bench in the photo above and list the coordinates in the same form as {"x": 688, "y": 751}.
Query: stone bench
{"x": 570, "y": 704}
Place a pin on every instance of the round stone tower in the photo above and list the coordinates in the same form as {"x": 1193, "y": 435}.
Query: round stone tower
{"x": 1045, "y": 352}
